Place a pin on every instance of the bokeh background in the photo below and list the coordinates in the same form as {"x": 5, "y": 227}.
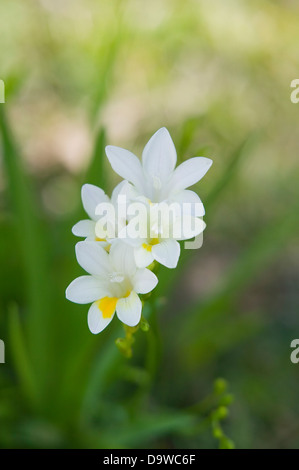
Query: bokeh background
{"x": 217, "y": 74}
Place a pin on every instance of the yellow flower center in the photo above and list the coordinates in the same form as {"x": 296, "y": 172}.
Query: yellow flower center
{"x": 107, "y": 305}
{"x": 152, "y": 242}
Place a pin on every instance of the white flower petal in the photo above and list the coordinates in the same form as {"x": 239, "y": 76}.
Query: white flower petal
{"x": 85, "y": 289}
{"x": 96, "y": 321}
{"x": 129, "y": 309}
{"x": 92, "y": 196}
{"x": 118, "y": 190}
{"x": 159, "y": 155}
{"x": 144, "y": 281}
{"x": 133, "y": 242}
{"x": 189, "y": 173}
{"x": 137, "y": 226}
{"x": 143, "y": 257}
{"x": 187, "y": 227}
{"x": 122, "y": 258}
{"x": 105, "y": 227}
{"x": 122, "y": 196}
{"x": 126, "y": 165}
{"x": 190, "y": 203}
{"x": 103, "y": 243}
{"x": 93, "y": 258}
{"x": 124, "y": 188}
{"x": 167, "y": 253}
{"x": 84, "y": 228}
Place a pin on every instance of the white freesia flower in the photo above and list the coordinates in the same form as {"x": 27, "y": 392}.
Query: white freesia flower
{"x": 113, "y": 284}
{"x": 93, "y": 196}
{"x": 157, "y": 181}
{"x": 119, "y": 245}
{"x": 156, "y": 177}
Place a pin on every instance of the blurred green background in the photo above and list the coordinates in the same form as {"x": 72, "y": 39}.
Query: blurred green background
{"x": 217, "y": 74}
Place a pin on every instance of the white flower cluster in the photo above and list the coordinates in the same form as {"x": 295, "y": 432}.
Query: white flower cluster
{"x": 142, "y": 222}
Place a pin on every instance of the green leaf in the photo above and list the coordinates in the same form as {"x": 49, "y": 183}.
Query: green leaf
{"x": 96, "y": 173}
{"x": 34, "y": 248}
{"x": 104, "y": 365}
{"x": 20, "y": 356}
{"x": 239, "y": 154}
{"x": 149, "y": 427}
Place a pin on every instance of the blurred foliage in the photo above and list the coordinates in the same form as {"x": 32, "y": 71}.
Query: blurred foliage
{"x": 217, "y": 75}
